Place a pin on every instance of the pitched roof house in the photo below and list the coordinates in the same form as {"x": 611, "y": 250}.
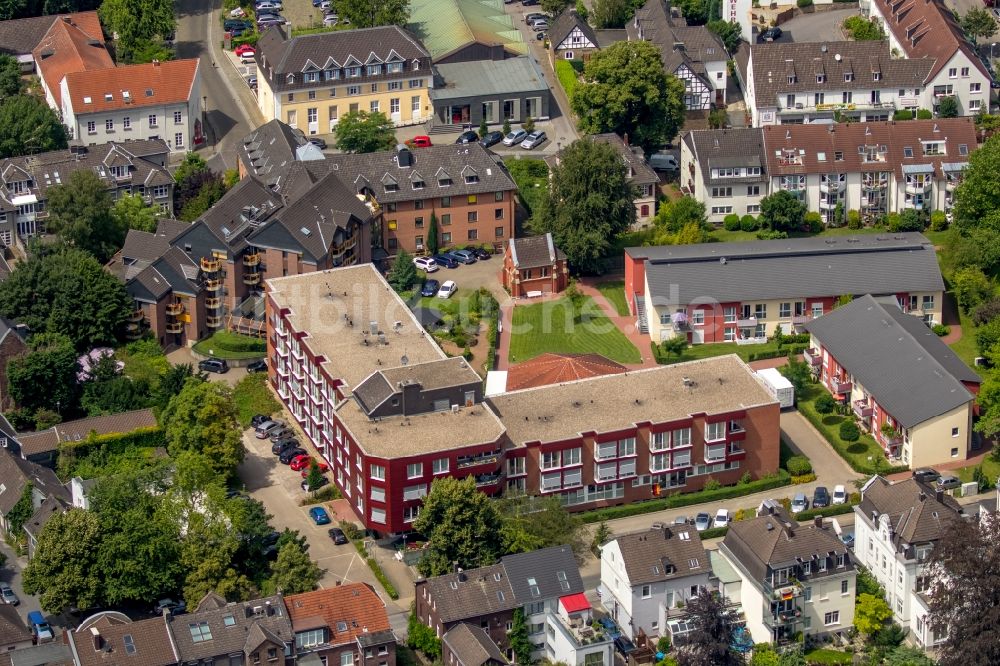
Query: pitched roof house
{"x": 111, "y": 638}
{"x": 41, "y": 446}
{"x": 14, "y": 634}
{"x": 15, "y": 475}
{"x": 470, "y": 646}
{"x": 347, "y": 621}
{"x": 20, "y": 37}
{"x": 571, "y": 37}
{"x": 533, "y": 265}
{"x": 260, "y": 630}
{"x": 69, "y": 46}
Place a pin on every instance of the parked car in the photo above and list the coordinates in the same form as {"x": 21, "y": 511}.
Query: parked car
{"x": 317, "y": 3}
{"x": 839, "y": 494}
{"x": 268, "y": 6}
{"x": 426, "y": 264}
{"x": 926, "y": 475}
{"x": 244, "y": 48}
{"x": 330, "y": 19}
{"x": 771, "y": 34}
{"x": 948, "y": 482}
{"x": 300, "y": 463}
{"x": 663, "y": 162}
{"x": 491, "y": 139}
{"x": 237, "y": 13}
{"x": 247, "y": 58}
{"x": 468, "y": 136}
{"x": 216, "y": 365}
{"x": 8, "y": 595}
{"x": 40, "y": 629}
{"x": 257, "y": 419}
{"x": 317, "y": 141}
{"x": 540, "y": 24}
{"x": 252, "y": 82}
{"x": 319, "y": 515}
{"x": 282, "y": 445}
{"x": 445, "y": 260}
{"x": 534, "y": 16}
{"x": 447, "y": 289}
{"x": 421, "y": 141}
{"x": 680, "y": 520}
{"x": 821, "y": 497}
{"x": 282, "y": 433}
{"x": 515, "y": 137}
{"x": 430, "y": 288}
{"x": 530, "y": 3}
{"x": 169, "y": 606}
{"x": 265, "y": 429}
{"x": 800, "y": 503}
{"x": 290, "y": 453}
{"x": 323, "y": 467}
{"x": 481, "y": 253}
{"x": 337, "y": 535}
{"x": 229, "y": 24}
{"x": 533, "y": 140}
{"x": 702, "y": 522}
{"x": 257, "y": 366}
{"x": 722, "y": 518}
{"x": 463, "y": 256}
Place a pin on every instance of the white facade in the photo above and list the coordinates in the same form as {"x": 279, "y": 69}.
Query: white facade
{"x": 740, "y": 198}
{"x": 574, "y": 45}
{"x": 571, "y": 640}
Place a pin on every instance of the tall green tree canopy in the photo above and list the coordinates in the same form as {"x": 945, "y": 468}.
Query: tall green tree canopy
{"x": 135, "y": 21}
{"x": 979, "y": 23}
{"x": 64, "y": 572}
{"x": 364, "y": 132}
{"x": 202, "y": 418}
{"x": 28, "y": 126}
{"x": 80, "y": 214}
{"x": 293, "y": 572}
{"x": 403, "y": 273}
{"x": 46, "y": 376}
{"x": 977, "y": 197}
{"x": 709, "y": 643}
{"x": 626, "y": 90}
{"x": 611, "y": 13}
{"x": 371, "y": 13}
{"x": 728, "y": 31}
{"x": 781, "y": 211}
{"x": 132, "y": 212}
{"x": 10, "y": 76}
{"x": 65, "y": 290}
{"x": 589, "y": 202}
{"x": 461, "y": 524}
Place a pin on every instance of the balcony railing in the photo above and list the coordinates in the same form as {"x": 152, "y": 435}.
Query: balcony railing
{"x": 862, "y": 409}
{"x": 831, "y": 186}
{"x": 133, "y": 331}
{"x": 339, "y": 250}
{"x": 174, "y": 309}
{"x": 784, "y": 591}
{"x": 174, "y": 327}
{"x": 826, "y": 204}
{"x": 251, "y": 279}
{"x": 916, "y": 187}
{"x": 213, "y": 303}
{"x": 472, "y": 461}
{"x": 251, "y": 259}
{"x": 756, "y": 340}
{"x": 210, "y": 264}
{"x": 839, "y": 386}
{"x": 213, "y": 322}
{"x": 488, "y": 479}
{"x": 801, "y": 319}
{"x": 951, "y": 185}
{"x": 213, "y": 285}
{"x": 137, "y": 315}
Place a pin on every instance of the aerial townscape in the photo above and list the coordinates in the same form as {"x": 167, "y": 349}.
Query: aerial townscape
{"x": 499, "y": 333}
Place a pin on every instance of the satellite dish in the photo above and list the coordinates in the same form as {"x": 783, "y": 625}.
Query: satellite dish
{"x": 404, "y": 359}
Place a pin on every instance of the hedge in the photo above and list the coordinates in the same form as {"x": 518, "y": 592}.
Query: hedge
{"x": 782, "y": 478}
{"x": 490, "y": 305}
{"x": 567, "y": 77}
{"x": 791, "y": 350}
{"x": 376, "y": 568}
{"x": 115, "y": 442}
{"x": 826, "y": 512}
{"x": 235, "y": 342}
{"x": 713, "y": 533}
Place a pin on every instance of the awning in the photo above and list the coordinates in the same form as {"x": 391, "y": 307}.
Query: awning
{"x": 574, "y": 603}
{"x": 954, "y": 166}
{"x": 24, "y": 199}
{"x": 918, "y": 168}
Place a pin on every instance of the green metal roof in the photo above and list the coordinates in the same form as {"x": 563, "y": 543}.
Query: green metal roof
{"x": 446, "y": 25}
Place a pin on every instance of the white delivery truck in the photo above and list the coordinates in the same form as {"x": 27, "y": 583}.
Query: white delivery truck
{"x": 778, "y": 386}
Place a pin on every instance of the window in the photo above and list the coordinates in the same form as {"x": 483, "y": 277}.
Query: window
{"x": 91, "y": 127}
{"x": 572, "y": 456}
{"x": 975, "y": 87}
{"x": 353, "y": 90}
{"x": 377, "y": 494}
{"x": 626, "y": 447}
{"x": 715, "y": 431}
{"x": 681, "y": 437}
{"x": 722, "y": 192}
{"x": 473, "y": 216}
{"x": 698, "y": 317}
{"x": 831, "y": 618}
{"x": 200, "y": 632}
{"x": 152, "y": 120}
{"x": 729, "y": 314}
{"x": 473, "y": 233}
{"x": 374, "y": 70}
{"x": 378, "y": 516}
{"x": 109, "y": 125}
{"x": 416, "y": 492}
{"x": 373, "y": 106}
{"x": 414, "y": 470}
{"x": 974, "y": 104}
{"x": 377, "y": 472}
{"x": 346, "y": 659}
{"x": 178, "y": 117}
{"x": 416, "y": 83}
{"x": 965, "y": 72}
{"x": 551, "y": 459}
{"x": 498, "y": 232}
{"x": 753, "y": 190}
{"x": 844, "y": 586}
{"x": 440, "y": 466}
{"x": 410, "y": 513}
{"x": 647, "y": 591}
{"x": 310, "y": 638}
{"x": 178, "y": 140}
{"x": 954, "y": 452}
{"x": 498, "y": 196}
{"x": 722, "y": 210}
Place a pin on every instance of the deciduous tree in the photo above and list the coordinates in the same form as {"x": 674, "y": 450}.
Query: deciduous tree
{"x": 80, "y": 214}
{"x": 626, "y": 90}
{"x": 518, "y": 636}
{"x": 64, "y": 571}
{"x": 728, "y": 31}
{"x": 28, "y": 126}
{"x": 711, "y": 637}
{"x": 202, "y": 418}
{"x": 403, "y": 273}
{"x": 977, "y": 197}
{"x": 371, "y": 13}
{"x": 530, "y": 523}
{"x": 364, "y": 132}
{"x": 673, "y": 216}
{"x": 293, "y": 572}
{"x": 979, "y": 23}
{"x": 611, "y": 13}
{"x": 782, "y": 211}
{"x": 10, "y": 77}
{"x": 132, "y": 212}
{"x": 589, "y": 201}
{"x": 461, "y": 524}
{"x": 971, "y": 287}
{"x": 46, "y": 376}
{"x": 871, "y": 613}
{"x": 134, "y": 21}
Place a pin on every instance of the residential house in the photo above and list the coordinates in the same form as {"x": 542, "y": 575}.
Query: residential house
{"x": 744, "y": 292}
{"x": 726, "y": 170}
{"x": 533, "y": 265}
{"x": 50, "y": 506}
{"x": 19, "y": 479}
{"x": 693, "y": 54}
{"x": 346, "y": 624}
{"x": 795, "y": 577}
{"x": 490, "y": 90}
{"x": 45, "y": 654}
{"x": 903, "y": 384}
{"x": 71, "y": 45}
{"x": 42, "y": 446}
{"x": 551, "y": 368}
{"x": 571, "y": 37}
{"x": 930, "y": 31}
{"x": 795, "y": 83}
{"x": 12, "y": 346}
{"x": 111, "y": 637}
{"x": 20, "y": 37}
{"x": 640, "y": 175}
{"x": 896, "y": 527}
{"x": 126, "y": 167}
{"x": 466, "y": 645}
{"x": 158, "y": 100}
{"x": 268, "y": 151}
{"x": 310, "y": 81}
{"x": 648, "y": 577}
{"x": 14, "y": 633}
{"x": 79, "y": 490}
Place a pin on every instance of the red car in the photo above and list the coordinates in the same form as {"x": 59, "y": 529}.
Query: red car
{"x": 421, "y": 142}
{"x": 244, "y": 49}
{"x": 323, "y": 467}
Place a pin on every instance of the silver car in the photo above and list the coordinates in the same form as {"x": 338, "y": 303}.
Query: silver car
{"x": 533, "y": 140}
{"x": 8, "y": 595}
{"x": 515, "y": 137}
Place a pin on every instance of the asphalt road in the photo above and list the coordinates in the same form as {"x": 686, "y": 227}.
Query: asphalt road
{"x": 231, "y": 108}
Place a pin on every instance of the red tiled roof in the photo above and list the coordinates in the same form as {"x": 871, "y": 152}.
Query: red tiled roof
{"x": 355, "y": 605}
{"x": 574, "y": 603}
{"x": 156, "y": 83}
{"x": 68, "y": 47}
{"x": 551, "y": 368}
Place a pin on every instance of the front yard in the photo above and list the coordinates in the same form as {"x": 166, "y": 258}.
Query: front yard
{"x": 614, "y": 291}
{"x": 557, "y": 326}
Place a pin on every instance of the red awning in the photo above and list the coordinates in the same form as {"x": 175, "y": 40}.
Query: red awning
{"x": 574, "y": 603}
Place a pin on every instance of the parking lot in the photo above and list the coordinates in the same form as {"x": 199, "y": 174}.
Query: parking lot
{"x": 820, "y": 26}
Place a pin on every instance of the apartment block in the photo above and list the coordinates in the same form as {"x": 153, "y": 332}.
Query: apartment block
{"x": 744, "y": 292}
{"x": 726, "y": 170}
{"x": 905, "y": 386}
{"x": 595, "y": 442}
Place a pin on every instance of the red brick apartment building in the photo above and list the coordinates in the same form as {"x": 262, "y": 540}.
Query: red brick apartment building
{"x": 390, "y": 412}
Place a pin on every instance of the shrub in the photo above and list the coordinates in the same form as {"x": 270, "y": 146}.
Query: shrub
{"x": 731, "y": 222}
{"x": 798, "y": 465}
{"x": 802, "y": 4}
{"x": 711, "y": 484}
{"x": 769, "y": 234}
{"x": 853, "y": 219}
{"x": 825, "y": 404}
{"x": 805, "y": 478}
{"x": 940, "y": 330}
{"x": 567, "y": 77}
{"x": 46, "y": 418}
{"x": 903, "y": 114}
{"x": 748, "y": 223}
{"x": 924, "y": 114}
{"x": 813, "y": 222}
{"x": 939, "y": 220}
{"x": 849, "y": 431}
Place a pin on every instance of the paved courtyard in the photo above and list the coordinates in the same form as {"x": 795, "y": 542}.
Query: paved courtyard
{"x": 820, "y": 26}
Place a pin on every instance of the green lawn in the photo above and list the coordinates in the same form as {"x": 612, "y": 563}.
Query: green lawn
{"x": 553, "y": 326}
{"x": 531, "y": 176}
{"x": 615, "y": 293}
{"x": 698, "y": 352}
{"x": 965, "y": 348}
{"x": 826, "y": 656}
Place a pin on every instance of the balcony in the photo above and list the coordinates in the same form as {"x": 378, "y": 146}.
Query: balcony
{"x": 831, "y": 186}
{"x": 133, "y": 330}
{"x": 213, "y": 303}
{"x": 874, "y": 186}
{"x": 813, "y": 356}
{"x": 213, "y": 322}
{"x": 755, "y": 340}
{"x": 482, "y": 459}
{"x": 839, "y": 387}
{"x": 826, "y": 204}
{"x": 213, "y": 285}
{"x": 800, "y": 319}
{"x": 862, "y": 409}
{"x": 175, "y": 309}
{"x": 251, "y": 279}
{"x": 339, "y": 250}
{"x": 578, "y": 630}
{"x": 137, "y": 315}
{"x": 251, "y": 259}
{"x": 918, "y": 187}
{"x": 950, "y": 185}
{"x": 488, "y": 479}
{"x": 784, "y": 591}
{"x": 174, "y": 327}
{"x": 210, "y": 264}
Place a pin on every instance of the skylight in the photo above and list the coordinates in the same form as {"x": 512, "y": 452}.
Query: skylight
{"x": 200, "y": 632}
{"x": 129, "y": 644}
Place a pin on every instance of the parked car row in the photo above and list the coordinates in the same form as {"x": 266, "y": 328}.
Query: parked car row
{"x": 523, "y": 138}
{"x": 450, "y": 259}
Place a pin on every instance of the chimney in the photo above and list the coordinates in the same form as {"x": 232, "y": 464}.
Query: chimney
{"x": 338, "y": 584}
{"x": 625, "y": 138}
{"x": 95, "y": 635}
{"x": 923, "y": 496}
{"x": 939, "y": 495}
{"x": 818, "y": 521}
{"x": 156, "y": 63}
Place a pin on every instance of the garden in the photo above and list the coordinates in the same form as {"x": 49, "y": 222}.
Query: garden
{"x": 464, "y": 325}
{"x": 231, "y": 346}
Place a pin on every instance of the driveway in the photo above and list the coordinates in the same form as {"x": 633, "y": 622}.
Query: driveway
{"x": 10, "y": 574}
{"x": 473, "y": 276}
{"x": 184, "y": 355}
{"x": 819, "y": 26}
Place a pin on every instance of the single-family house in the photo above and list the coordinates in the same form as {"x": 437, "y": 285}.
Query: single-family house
{"x": 344, "y": 624}
{"x": 14, "y": 633}
{"x": 571, "y": 37}
{"x": 534, "y": 265}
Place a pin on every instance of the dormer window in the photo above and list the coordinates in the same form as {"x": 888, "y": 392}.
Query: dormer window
{"x": 791, "y": 78}
{"x": 290, "y": 78}
{"x": 876, "y": 76}
{"x": 394, "y": 67}
{"x": 821, "y": 78}
{"x": 444, "y": 181}
{"x": 374, "y": 70}
{"x": 392, "y": 187}
{"x": 471, "y": 178}
{"x": 848, "y": 77}
{"x": 331, "y": 74}
{"x": 418, "y": 184}
{"x": 416, "y": 65}
{"x": 312, "y": 77}
{"x": 353, "y": 72}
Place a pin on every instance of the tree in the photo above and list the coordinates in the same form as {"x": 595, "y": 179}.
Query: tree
{"x": 906, "y": 655}
{"x": 528, "y": 124}
{"x": 971, "y": 287}
{"x": 315, "y": 477}
{"x": 63, "y": 571}
{"x": 19, "y": 514}
{"x": 132, "y": 212}
{"x": 626, "y": 90}
{"x": 506, "y": 126}
{"x": 530, "y": 523}
{"x": 861, "y": 29}
{"x": 371, "y": 13}
{"x": 65, "y": 290}
{"x": 728, "y": 31}
{"x": 46, "y": 376}
{"x": 825, "y": 404}
{"x": 581, "y": 10}
{"x": 80, "y": 214}
{"x": 172, "y": 382}
{"x": 977, "y": 197}
{"x": 293, "y": 572}
{"x": 202, "y": 418}
{"x": 718, "y": 118}
{"x": 421, "y": 637}
{"x": 967, "y": 558}
{"x": 28, "y": 126}
{"x": 611, "y": 13}
{"x": 797, "y": 372}
{"x": 10, "y": 77}
{"x": 518, "y": 637}
{"x": 135, "y": 21}
{"x": 979, "y": 24}
{"x": 948, "y": 107}
{"x": 674, "y": 346}
{"x": 588, "y": 202}
{"x": 196, "y": 194}
{"x": 871, "y": 613}
{"x": 192, "y": 164}
{"x": 461, "y": 525}
{"x": 113, "y": 396}
{"x": 709, "y": 641}
{"x": 782, "y": 211}
{"x": 403, "y": 273}
{"x": 554, "y": 7}
{"x": 364, "y": 132}
{"x": 432, "y": 235}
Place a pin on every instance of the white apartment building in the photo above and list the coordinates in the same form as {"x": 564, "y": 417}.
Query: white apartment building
{"x": 726, "y": 170}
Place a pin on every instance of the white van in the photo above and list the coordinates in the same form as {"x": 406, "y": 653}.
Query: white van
{"x": 663, "y": 162}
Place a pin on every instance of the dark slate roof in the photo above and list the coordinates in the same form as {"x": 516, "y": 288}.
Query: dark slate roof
{"x": 268, "y": 149}
{"x": 534, "y": 251}
{"x": 430, "y": 376}
{"x": 916, "y": 512}
{"x": 49, "y": 507}
{"x": 21, "y": 36}
{"x": 143, "y": 246}
{"x": 247, "y": 205}
{"x": 564, "y": 24}
{"x": 12, "y": 627}
{"x": 642, "y": 173}
{"x": 269, "y": 613}
{"x": 663, "y": 554}
{"x": 16, "y": 472}
{"x": 472, "y": 646}
{"x": 150, "y": 641}
{"x": 70, "y": 431}
{"x": 728, "y": 148}
{"x": 472, "y": 593}
{"x": 896, "y": 357}
{"x": 46, "y": 654}
{"x": 773, "y": 64}
{"x": 678, "y": 43}
{"x": 180, "y": 271}
{"x": 776, "y": 541}
{"x": 554, "y": 571}
{"x": 765, "y": 270}
{"x": 606, "y": 38}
